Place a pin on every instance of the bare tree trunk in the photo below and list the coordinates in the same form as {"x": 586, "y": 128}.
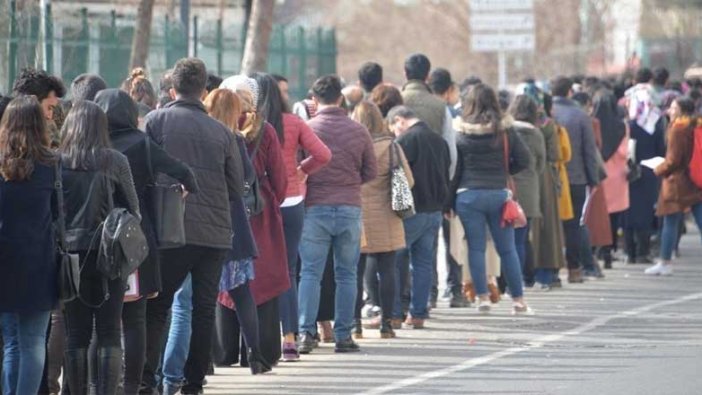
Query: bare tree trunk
{"x": 142, "y": 34}
{"x": 258, "y": 35}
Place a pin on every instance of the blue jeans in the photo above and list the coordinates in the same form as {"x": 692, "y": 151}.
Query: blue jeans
{"x": 338, "y": 228}
{"x": 478, "y": 209}
{"x": 671, "y": 228}
{"x": 544, "y": 276}
{"x": 178, "y": 345}
{"x": 521, "y": 238}
{"x": 24, "y": 336}
{"x": 293, "y": 219}
{"x": 421, "y": 231}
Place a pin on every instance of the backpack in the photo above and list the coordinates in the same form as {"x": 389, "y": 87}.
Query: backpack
{"x": 696, "y": 160}
{"x": 253, "y": 197}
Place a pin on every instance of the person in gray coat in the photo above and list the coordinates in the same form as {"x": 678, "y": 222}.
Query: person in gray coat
{"x": 582, "y": 172}
{"x": 208, "y": 147}
{"x": 525, "y": 113}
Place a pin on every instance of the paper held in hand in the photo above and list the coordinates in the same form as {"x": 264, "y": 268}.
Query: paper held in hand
{"x": 653, "y": 162}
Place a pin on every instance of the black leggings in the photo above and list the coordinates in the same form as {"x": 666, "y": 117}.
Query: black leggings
{"x": 79, "y": 316}
{"x": 230, "y": 323}
{"x": 134, "y": 327}
{"x": 385, "y": 266}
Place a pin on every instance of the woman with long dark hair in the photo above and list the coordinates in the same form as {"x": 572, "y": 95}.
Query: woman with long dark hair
{"x": 146, "y": 160}
{"x": 296, "y": 136}
{"x": 28, "y": 283}
{"x": 92, "y": 171}
{"x": 678, "y": 192}
{"x": 481, "y": 189}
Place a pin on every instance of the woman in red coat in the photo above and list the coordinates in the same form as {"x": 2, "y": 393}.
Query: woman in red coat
{"x": 271, "y": 265}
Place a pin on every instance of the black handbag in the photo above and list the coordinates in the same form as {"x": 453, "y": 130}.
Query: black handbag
{"x": 253, "y": 199}
{"x": 69, "y": 264}
{"x": 166, "y": 208}
{"x": 123, "y": 245}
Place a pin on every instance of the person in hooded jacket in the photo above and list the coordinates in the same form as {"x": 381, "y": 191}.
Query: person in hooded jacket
{"x": 122, "y": 117}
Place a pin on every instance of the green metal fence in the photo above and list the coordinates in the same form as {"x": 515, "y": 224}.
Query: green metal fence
{"x": 99, "y": 42}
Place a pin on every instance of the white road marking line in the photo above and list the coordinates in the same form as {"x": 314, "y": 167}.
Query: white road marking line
{"x": 537, "y": 343}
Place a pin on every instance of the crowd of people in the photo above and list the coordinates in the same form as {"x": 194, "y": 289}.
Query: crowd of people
{"x": 329, "y": 209}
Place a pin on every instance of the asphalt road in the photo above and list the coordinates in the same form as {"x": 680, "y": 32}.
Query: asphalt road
{"x": 626, "y": 334}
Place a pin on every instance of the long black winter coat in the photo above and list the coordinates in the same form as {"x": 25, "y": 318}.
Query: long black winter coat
{"x": 126, "y": 138}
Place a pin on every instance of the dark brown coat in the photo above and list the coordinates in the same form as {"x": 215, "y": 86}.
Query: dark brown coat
{"x": 678, "y": 193}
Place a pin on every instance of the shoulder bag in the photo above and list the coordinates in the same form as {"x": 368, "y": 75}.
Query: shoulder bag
{"x": 512, "y": 213}
{"x": 401, "y": 198}
{"x": 253, "y": 198}
{"x": 69, "y": 264}
{"x": 166, "y": 208}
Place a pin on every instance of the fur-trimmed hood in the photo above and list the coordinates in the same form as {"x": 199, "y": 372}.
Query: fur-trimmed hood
{"x": 462, "y": 126}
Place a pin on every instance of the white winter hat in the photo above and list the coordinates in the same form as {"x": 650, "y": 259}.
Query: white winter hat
{"x": 242, "y": 83}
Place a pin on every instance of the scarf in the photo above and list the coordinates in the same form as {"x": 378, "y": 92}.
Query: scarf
{"x": 613, "y": 128}
{"x": 643, "y": 107}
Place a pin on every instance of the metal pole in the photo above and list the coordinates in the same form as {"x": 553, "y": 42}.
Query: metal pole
{"x": 41, "y": 60}
{"x": 49, "y": 40}
{"x": 185, "y": 22}
{"x": 13, "y": 45}
{"x": 195, "y": 35}
{"x": 220, "y": 46}
{"x": 502, "y": 69}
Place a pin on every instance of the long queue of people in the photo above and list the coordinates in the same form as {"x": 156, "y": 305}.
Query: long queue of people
{"x": 261, "y": 222}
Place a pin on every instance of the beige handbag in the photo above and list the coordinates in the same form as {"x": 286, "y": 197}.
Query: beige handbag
{"x": 459, "y": 251}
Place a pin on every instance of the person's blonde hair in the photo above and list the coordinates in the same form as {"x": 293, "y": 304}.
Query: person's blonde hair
{"x": 224, "y": 106}
{"x": 368, "y": 115}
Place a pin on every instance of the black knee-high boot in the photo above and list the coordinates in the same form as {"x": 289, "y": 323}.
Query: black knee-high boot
{"x": 76, "y": 370}
{"x": 109, "y": 369}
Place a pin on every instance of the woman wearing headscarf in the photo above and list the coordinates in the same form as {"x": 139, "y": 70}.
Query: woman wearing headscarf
{"x": 238, "y": 271}
{"x": 265, "y": 151}
{"x": 615, "y": 153}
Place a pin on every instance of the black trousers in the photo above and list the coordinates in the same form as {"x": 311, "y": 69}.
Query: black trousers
{"x": 205, "y": 265}
{"x": 454, "y": 278}
{"x": 385, "y": 266}
{"x": 134, "y": 328}
{"x": 575, "y": 234}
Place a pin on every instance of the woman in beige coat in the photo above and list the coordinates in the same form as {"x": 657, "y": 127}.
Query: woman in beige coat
{"x": 383, "y": 231}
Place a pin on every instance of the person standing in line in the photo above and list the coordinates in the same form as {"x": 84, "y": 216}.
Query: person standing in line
{"x": 428, "y": 157}
{"x": 187, "y": 132}
{"x": 238, "y": 273}
{"x": 647, "y": 127}
{"x": 383, "y": 230}
{"x": 296, "y": 136}
{"x": 122, "y": 118}
{"x": 260, "y": 128}
{"x": 615, "y": 153}
{"x": 333, "y": 216}
{"x": 445, "y": 89}
{"x": 28, "y": 274}
{"x": 418, "y": 97}
{"x": 370, "y": 75}
{"x": 678, "y": 192}
{"x": 92, "y": 172}
{"x": 86, "y": 86}
{"x": 525, "y": 113}
{"x": 582, "y": 172}
{"x": 481, "y": 189}
{"x": 48, "y": 89}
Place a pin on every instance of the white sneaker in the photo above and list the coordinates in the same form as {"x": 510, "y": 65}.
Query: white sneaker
{"x": 660, "y": 269}
{"x": 484, "y": 307}
{"x": 522, "y": 309}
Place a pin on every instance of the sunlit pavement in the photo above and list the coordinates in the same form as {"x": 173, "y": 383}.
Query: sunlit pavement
{"x": 626, "y": 334}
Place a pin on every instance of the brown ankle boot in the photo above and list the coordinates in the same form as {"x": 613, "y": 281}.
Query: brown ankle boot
{"x": 495, "y": 295}
{"x": 575, "y": 276}
{"x": 469, "y": 292}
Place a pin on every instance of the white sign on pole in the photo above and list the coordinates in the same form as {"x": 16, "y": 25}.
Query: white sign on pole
{"x": 501, "y": 5}
{"x": 501, "y": 22}
{"x": 502, "y": 42}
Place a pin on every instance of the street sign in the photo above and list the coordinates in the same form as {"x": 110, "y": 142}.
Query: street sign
{"x": 501, "y": 5}
{"x": 501, "y": 22}
{"x": 502, "y": 42}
